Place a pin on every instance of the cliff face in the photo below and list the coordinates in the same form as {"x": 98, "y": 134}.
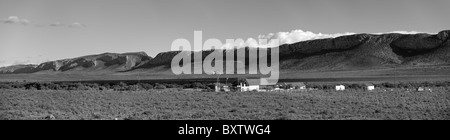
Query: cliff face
{"x": 361, "y": 51}
{"x": 364, "y": 51}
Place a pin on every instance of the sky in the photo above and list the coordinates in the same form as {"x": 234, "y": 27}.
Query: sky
{"x": 34, "y": 31}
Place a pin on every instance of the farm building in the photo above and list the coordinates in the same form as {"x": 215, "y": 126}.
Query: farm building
{"x": 369, "y": 86}
{"x": 340, "y": 87}
{"x": 221, "y": 87}
{"x": 420, "y": 89}
{"x": 250, "y": 85}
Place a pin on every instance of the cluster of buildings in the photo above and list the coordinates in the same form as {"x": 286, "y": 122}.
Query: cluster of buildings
{"x": 250, "y": 84}
{"x": 254, "y": 84}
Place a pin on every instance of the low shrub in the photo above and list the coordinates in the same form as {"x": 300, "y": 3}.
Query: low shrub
{"x": 160, "y": 86}
{"x": 187, "y": 86}
{"x": 5, "y": 86}
{"x": 356, "y": 86}
{"x": 146, "y": 86}
{"x": 388, "y": 85}
{"x": 53, "y": 86}
{"x": 199, "y": 85}
{"x": 135, "y": 87}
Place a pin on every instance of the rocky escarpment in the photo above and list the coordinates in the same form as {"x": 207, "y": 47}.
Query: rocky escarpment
{"x": 365, "y": 51}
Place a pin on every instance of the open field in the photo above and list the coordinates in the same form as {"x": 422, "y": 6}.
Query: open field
{"x": 182, "y": 104}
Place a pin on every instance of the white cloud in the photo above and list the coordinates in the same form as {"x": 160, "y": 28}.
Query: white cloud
{"x": 24, "y": 62}
{"x": 56, "y": 24}
{"x": 293, "y": 36}
{"x": 298, "y": 36}
{"x": 76, "y": 25}
{"x": 59, "y": 24}
{"x": 4, "y": 63}
{"x": 15, "y": 20}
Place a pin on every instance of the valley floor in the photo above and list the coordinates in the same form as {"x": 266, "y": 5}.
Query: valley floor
{"x": 179, "y": 104}
{"x": 418, "y": 74}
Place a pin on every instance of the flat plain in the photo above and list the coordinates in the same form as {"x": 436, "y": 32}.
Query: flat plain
{"x": 172, "y": 104}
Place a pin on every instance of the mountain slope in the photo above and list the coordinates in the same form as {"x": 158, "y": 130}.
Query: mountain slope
{"x": 353, "y": 52}
{"x": 364, "y": 51}
{"x": 106, "y": 62}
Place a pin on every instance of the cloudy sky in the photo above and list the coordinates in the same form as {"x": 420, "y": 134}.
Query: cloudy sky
{"x": 32, "y": 31}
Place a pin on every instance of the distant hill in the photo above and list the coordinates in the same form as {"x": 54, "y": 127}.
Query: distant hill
{"x": 353, "y": 52}
{"x": 106, "y": 62}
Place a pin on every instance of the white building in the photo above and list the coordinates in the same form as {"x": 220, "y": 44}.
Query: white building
{"x": 369, "y": 86}
{"x": 420, "y": 89}
{"x": 340, "y": 87}
{"x": 221, "y": 87}
{"x": 250, "y": 85}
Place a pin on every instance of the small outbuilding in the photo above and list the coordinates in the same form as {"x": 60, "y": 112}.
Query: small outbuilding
{"x": 340, "y": 87}
{"x": 369, "y": 86}
{"x": 420, "y": 89}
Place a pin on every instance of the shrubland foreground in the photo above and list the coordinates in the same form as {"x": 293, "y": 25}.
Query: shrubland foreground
{"x": 182, "y": 104}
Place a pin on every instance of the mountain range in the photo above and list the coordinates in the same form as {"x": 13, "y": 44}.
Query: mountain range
{"x": 352, "y": 52}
